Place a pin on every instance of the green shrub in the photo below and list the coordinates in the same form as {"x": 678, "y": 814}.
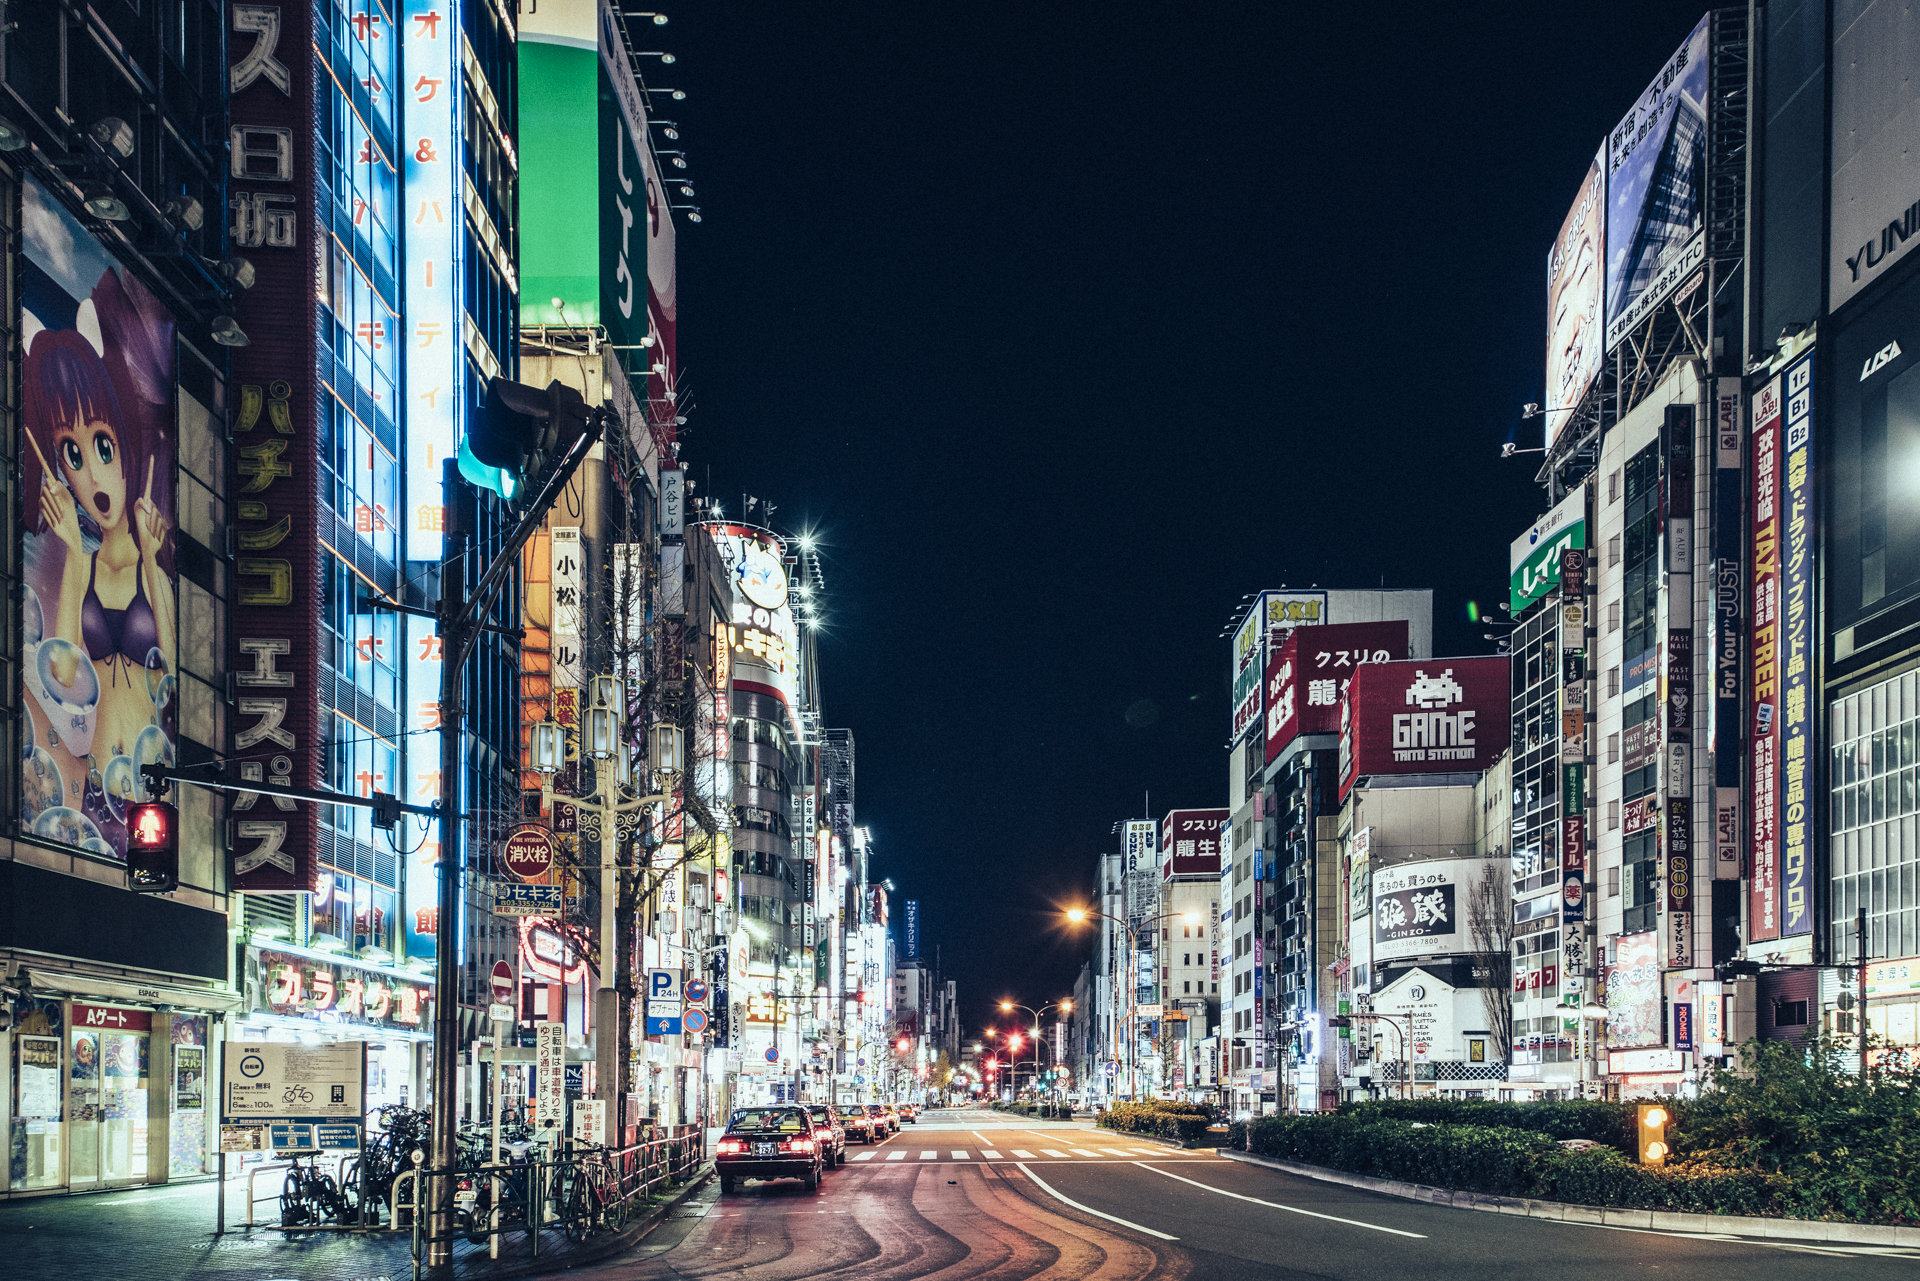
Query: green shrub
{"x": 1609, "y": 1123}
{"x": 1162, "y": 1118}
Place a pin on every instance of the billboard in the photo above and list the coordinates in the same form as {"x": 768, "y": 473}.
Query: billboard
{"x": 1190, "y": 843}
{"x": 1271, "y": 618}
{"x": 1428, "y": 716}
{"x": 761, "y": 633}
{"x": 1764, "y": 654}
{"x": 1576, "y": 268}
{"x": 1634, "y": 994}
{"x": 1797, "y": 657}
{"x": 1533, "y": 559}
{"x": 911, "y": 950}
{"x": 1876, "y": 184}
{"x": 1420, "y": 909}
{"x": 1308, "y": 674}
{"x": 99, "y": 644}
{"x": 1141, "y": 870}
{"x": 1656, "y": 189}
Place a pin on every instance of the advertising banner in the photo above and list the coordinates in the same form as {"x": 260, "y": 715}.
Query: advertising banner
{"x": 638, "y": 286}
{"x": 98, "y": 637}
{"x": 1419, "y": 909}
{"x": 1876, "y": 201}
{"x": 297, "y": 986}
{"x": 1190, "y": 843}
{"x": 1656, "y": 189}
{"x": 1307, "y": 675}
{"x": 1764, "y": 654}
{"x": 1533, "y": 559}
{"x": 1268, "y": 622}
{"x": 1142, "y": 870}
{"x": 1729, "y": 594}
{"x": 911, "y": 950}
{"x": 430, "y": 332}
{"x": 1634, "y": 992}
{"x": 1576, "y": 268}
{"x": 1797, "y": 658}
{"x": 1424, "y": 717}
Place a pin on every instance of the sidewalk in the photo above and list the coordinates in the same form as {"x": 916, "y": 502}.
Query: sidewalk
{"x": 167, "y": 1233}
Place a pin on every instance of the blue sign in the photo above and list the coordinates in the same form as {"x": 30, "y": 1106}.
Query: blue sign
{"x": 290, "y": 1136}
{"x": 695, "y": 1020}
{"x": 663, "y": 1025}
{"x": 1259, "y": 865}
{"x": 773, "y": 1054}
{"x": 576, "y": 1079}
{"x": 344, "y": 1136}
{"x": 527, "y": 900}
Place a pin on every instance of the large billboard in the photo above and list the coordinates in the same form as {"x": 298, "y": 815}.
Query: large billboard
{"x": 1876, "y": 116}
{"x": 1271, "y": 618}
{"x": 761, "y": 634}
{"x": 97, "y": 605}
{"x": 1428, "y": 716}
{"x": 1420, "y": 909}
{"x": 1656, "y": 189}
{"x": 1576, "y": 270}
{"x": 1798, "y": 829}
{"x": 1190, "y": 843}
{"x": 1633, "y": 992}
{"x": 1533, "y": 559}
{"x": 1764, "y": 655}
{"x": 1142, "y": 887}
{"x": 1308, "y": 674}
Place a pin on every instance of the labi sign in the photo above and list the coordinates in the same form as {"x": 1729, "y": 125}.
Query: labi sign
{"x": 1534, "y": 558}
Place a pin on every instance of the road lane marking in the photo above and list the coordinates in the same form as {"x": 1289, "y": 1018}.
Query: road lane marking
{"x": 991, "y": 1155}
{"x": 929, "y": 1156}
{"x": 976, "y": 1134}
{"x": 864, "y": 1156}
{"x": 1056, "y": 1152}
{"x": 960, "y": 1154}
{"x": 1098, "y": 1214}
{"x": 896, "y": 1156}
{"x": 1312, "y": 1214}
{"x": 1023, "y": 1154}
{"x": 1086, "y": 1152}
{"x": 1147, "y": 1151}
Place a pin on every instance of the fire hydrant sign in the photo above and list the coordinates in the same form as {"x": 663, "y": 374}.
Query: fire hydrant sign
{"x": 262, "y": 1082}
{"x": 550, "y": 1084}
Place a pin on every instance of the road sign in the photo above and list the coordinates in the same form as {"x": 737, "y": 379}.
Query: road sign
{"x": 502, "y": 981}
{"x": 694, "y": 1020}
{"x": 500, "y": 1013}
{"x": 270, "y": 1081}
{"x": 773, "y": 1054}
{"x": 290, "y": 1136}
{"x": 527, "y": 900}
{"x": 663, "y": 1002}
{"x": 550, "y": 1081}
{"x": 697, "y": 991}
{"x": 528, "y": 852}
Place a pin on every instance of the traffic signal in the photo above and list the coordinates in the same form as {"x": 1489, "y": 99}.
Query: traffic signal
{"x": 517, "y": 431}
{"x": 153, "y": 847}
{"x": 1653, "y": 1134}
{"x": 903, "y": 1045}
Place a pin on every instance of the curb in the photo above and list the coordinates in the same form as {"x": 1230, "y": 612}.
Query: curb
{"x": 1603, "y": 1216}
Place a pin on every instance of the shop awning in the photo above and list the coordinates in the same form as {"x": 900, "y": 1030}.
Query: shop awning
{"x": 193, "y": 998}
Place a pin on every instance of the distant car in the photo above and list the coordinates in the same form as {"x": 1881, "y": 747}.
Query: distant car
{"x": 908, "y": 1112}
{"x": 884, "y": 1121}
{"x": 771, "y": 1143}
{"x": 893, "y": 1115}
{"x": 826, "y": 1120}
{"x": 858, "y": 1124}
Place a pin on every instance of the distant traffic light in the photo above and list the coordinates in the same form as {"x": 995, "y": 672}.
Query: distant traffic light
{"x": 1653, "y": 1134}
{"x": 517, "y": 431}
{"x": 153, "y": 847}
{"x": 903, "y": 1045}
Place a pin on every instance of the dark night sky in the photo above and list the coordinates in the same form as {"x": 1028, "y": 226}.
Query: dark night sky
{"x": 1068, "y": 324}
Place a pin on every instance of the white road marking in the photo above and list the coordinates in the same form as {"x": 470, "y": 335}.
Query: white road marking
{"x": 959, "y": 1154}
{"x": 1098, "y": 1214}
{"x": 1088, "y": 1152}
{"x": 1056, "y": 1152}
{"x": 1148, "y": 1151}
{"x": 991, "y": 1155}
{"x": 896, "y": 1156}
{"x": 976, "y": 1134}
{"x": 1023, "y": 1154}
{"x": 929, "y": 1156}
{"x": 1334, "y": 1218}
{"x": 864, "y": 1156}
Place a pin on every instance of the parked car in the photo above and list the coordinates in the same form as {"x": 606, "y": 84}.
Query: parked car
{"x": 884, "y": 1122}
{"x": 858, "y": 1124}
{"x": 771, "y": 1143}
{"x": 826, "y": 1122}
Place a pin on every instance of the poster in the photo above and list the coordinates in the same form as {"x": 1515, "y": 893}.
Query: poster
{"x": 39, "y": 1078}
{"x": 189, "y": 1078}
{"x": 97, "y": 538}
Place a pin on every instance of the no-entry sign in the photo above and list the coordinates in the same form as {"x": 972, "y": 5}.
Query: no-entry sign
{"x": 502, "y": 981}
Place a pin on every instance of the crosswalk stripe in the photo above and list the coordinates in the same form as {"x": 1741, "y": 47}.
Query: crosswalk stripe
{"x": 959, "y": 1154}
{"x": 929, "y": 1156}
{"x": 992, "y": 1156}
{"x": 863, "y": 1156}
{"x": 896, "y": 1156}
{"x": 1085, "y": 1152}
{"x": 1146, "y": 1151}
{"x": 1024, "y": 1156}
{"x": 1055, "y": 1152}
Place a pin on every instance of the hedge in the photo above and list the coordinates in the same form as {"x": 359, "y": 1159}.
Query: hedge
{"x": 1162, "y": 1118}
{"x": 1609, "y": 1123}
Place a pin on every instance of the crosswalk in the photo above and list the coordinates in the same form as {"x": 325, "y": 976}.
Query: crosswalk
{"x": 1018, "y": 1154}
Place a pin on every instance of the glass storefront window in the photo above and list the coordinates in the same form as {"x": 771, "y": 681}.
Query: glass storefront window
{"x": 38, "y": 1099}
{"x": 187, "y": 1105}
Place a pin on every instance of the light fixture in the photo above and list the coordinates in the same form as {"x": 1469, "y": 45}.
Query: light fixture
{"x": 237, "y": 271}
{"x": 679, "y": 162}
{"x": 686, "y": 190}
{"x": 324, "y": 942}
{"x": 547, "y": 747}
{"x": 377, "y": 954}
{"x": 672, "y": 134}
{"x": 271, "y": 930}
{"x": 667, "y": 58}
{"x": 227, "y": 332}
{"x": 603, "y": 718}
{"x": 678, "y": 95}
{"x": 114, "y": 135}
{"x": 12, "y": 136}
{"x": 186, "y": 209}
{"x": 102, "y": 203}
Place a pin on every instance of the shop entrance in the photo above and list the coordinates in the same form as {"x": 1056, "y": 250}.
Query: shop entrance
{"x": 110, "y": 1063}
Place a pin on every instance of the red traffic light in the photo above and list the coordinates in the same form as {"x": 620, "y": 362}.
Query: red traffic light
{"x": 903, "y": 1045}
{"x": 153, "y": 847}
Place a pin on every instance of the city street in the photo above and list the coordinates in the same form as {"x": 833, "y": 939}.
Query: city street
{"x": 969, "y": 1194}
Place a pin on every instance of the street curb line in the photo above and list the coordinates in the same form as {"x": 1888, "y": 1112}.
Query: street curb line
{"x": 1812, "y": 1230}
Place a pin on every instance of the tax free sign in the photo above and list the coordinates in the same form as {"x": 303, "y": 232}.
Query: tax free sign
{"x": 1534, "y": 558}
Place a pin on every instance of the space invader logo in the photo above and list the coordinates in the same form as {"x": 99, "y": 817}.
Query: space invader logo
{"x": 1434, "y": 691}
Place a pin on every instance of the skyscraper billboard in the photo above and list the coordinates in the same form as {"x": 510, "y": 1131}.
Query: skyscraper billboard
{"x": 1576, "y": 272}
{"x": 1190, "y": 843}
{"x": 1656, "y": 189}
{"x": 1427, "y": 716}
{"x": 1876, "y": 115}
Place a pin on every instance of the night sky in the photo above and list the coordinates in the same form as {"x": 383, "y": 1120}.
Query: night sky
{"x": 1065, "y": 325}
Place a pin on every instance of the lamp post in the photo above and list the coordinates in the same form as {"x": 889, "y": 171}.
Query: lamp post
{"x": 1079, "y": 915}
{"x": 1405, "y": 1038}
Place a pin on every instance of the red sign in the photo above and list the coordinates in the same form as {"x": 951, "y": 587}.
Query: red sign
{"x": 1424, "y": 716}
{"x": 528, "y": 853}
{"x": 502, "y": 980}
{"x": 1190, "y": 842}
{"x": 108, "y": 1016}
{"x": 1763, "y": 906}
{"x": 1307, "y": 676}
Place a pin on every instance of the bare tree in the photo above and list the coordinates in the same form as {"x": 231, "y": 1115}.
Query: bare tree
{"x": 1490, "y": 919}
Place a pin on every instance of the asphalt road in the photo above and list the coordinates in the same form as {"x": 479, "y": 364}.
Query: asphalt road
{"x": 967, "y": 1195}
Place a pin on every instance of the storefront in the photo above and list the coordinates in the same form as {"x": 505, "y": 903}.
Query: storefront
{"x": 108, "y": 1083}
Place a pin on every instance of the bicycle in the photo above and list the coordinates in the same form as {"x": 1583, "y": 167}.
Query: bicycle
{"x": 310, "y": 1197}
{"x": 592, "y": 1196}
{"x": 297, "y": 1094}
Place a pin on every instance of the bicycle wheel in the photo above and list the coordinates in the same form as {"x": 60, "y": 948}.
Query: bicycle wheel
{"x": 615, "y": 1208}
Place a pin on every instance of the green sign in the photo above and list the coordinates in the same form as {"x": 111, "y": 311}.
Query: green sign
{"x": 1534, "y": 558}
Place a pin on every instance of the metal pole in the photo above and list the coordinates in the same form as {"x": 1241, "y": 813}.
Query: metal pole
{"x": 606, "y": 1007}
{"x": 446, "y": 1014}
{"x": 1860, "y": 932}
{"x": 493, "y": 1244}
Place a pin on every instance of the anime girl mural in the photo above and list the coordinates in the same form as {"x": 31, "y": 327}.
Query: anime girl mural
{"x": 98, "y": 653}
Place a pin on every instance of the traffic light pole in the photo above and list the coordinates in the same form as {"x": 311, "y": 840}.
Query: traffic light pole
{"x": 461, "y": 622}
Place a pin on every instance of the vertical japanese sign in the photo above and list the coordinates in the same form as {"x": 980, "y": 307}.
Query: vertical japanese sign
{"x": 569, "y": 573}
{"x": 423, "y": 783}
{"x": 429, "y": 93}
{"x": 276, "y": 616}
{"x": 1729, "y": 613}
{"x": 550, "y": 1075}
{"x": 1763, "y": 783}
{"x": 1796, "y": 655}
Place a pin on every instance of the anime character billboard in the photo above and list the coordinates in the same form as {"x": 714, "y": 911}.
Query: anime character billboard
{"x": 97, "y": 654}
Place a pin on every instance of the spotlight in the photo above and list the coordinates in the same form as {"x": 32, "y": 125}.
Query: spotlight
{"x": 237, "y": 271}
{"x": 187, "y": 210}
{"x": 114, "y": 135}
{"x": 227, "y": 332}
{"x": 12, "y": 136}
{"x": 102, "y": 203}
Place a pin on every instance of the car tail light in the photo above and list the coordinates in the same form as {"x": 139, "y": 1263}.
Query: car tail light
{"x": 800, "y": 1145}
{"x": 732, "y": 1145}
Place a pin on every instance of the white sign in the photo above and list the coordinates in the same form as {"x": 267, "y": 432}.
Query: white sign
{"x": 243, "y": 1138}
{"x": 568, "y": 567}
{"x": 663, "y": 994}
{"x": 500, "y": 1013}
{"x": 261, "y": 1081}
{"x": 550, "y": 1075}
{"x": 1420, "y": 908}
{"x": 589, "y": 1119}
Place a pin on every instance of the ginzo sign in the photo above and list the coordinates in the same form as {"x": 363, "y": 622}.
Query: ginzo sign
{"x": 1437, "y": 716}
